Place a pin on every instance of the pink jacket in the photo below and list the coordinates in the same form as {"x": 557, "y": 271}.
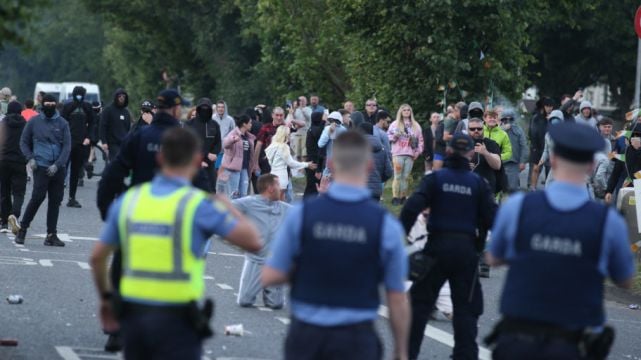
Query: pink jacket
{"x": 402, "y": 145}
{"x": 233, "y": 157}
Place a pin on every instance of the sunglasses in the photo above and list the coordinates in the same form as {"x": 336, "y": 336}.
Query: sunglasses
{"x": 475, "y": 129}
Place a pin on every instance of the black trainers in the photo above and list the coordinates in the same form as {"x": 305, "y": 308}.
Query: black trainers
{"x": 4, "y": 228}
{"x": 396, "y": 201}
{"x": 113, "y": 343}
{"x": 73, "y": 203}
{"x": 14, "y": 225}
{"x": 52, "y": 240}
{"x": 20, "y": 236}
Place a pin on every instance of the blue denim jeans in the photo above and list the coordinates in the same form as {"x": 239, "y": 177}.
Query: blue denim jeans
{"x": 238, "y": 183}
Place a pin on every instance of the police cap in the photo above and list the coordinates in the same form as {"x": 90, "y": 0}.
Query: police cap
{"x": 168, "y": 99}
{"x": 461, "y": 142}
{"x": 147, "y": 106}
{"x": 576, "y": 142}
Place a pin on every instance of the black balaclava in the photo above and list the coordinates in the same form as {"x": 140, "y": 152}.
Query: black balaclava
{"x": 48, "y": 111}
{"x": 204, "y": 112}
{"x": 79, "y": 93}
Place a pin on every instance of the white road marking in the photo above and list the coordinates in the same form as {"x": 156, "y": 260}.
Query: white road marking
{"x": 67, "y": 353}
{"x": 12, "y": 260}
{"x": 224, "y": 286}
{"x": 285, "y": 321}
{"x": 226, "y": 254}
{"x": 262, "y": 308}
{"x": 84, "y": 238}
{"x": 49, "y": 262}
{"x": 208, "y": 277}
{"x": 439, "y": 335}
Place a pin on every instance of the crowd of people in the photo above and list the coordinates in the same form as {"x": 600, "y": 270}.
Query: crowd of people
{"x": 164, "y": 169}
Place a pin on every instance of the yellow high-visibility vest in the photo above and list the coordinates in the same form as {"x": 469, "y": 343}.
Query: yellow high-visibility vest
{"x": 158, "y": 264}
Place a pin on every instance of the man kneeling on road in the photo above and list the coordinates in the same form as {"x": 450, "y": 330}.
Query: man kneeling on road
{"x": 162, "y": 229}
{"x": 267, "y": 213}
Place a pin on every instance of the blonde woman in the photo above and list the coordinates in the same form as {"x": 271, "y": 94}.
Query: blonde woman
{"x": 280, "y": 157}
{"x": 407, "y": 144}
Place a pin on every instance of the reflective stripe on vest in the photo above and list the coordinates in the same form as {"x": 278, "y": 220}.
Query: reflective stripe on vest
{"x": 156, "y": 232}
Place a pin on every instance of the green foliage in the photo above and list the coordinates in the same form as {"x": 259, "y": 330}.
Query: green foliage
{"x": 408, "y": 49}
{"x": 15, "y": 16}
{"x": 265, "y": 51}
{"x": 584, "y": 43}
{"x": 65, "y": 43}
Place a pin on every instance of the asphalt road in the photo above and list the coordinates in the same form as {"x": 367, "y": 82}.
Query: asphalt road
{"x": 58, "y": 317}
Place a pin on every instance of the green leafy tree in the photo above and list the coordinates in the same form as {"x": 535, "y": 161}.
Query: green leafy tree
{"x": 15, "y": 17}
{"x": 303, "y": 47}
{"x": 408, "y": 52}
{"x": 588, "y": 42}
{"x": 67, "y": 49}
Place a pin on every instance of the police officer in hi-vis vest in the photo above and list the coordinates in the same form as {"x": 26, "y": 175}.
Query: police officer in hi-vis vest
{"x": 162, "y": 228}
{"x": 461, "y": 210}
{"x": 336, "y": 250}
{"x": 560, "y": 246}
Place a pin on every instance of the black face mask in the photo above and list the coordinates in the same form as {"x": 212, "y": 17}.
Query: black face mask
{"x": 204, "y": 112}
{"x": 49, "y": 111}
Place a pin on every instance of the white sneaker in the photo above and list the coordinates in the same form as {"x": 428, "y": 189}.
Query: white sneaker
{"x": 14, "y": 225}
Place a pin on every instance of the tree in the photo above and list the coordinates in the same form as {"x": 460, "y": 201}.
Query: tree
{"x": 591, "y": 41}
{"x": 67, "y": 49}
{"x": 15, "y": 16}
{"x": 408, "y": 50}
{"x": 302, "y": 47}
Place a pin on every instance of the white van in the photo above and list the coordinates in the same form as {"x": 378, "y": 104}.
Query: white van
{"x": 48, "y": 87}
{"x": 93, "y": 91}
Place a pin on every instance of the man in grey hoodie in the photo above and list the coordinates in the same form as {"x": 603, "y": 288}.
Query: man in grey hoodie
{"x": 585, "y": 115}
{"x": 46, "y": 144}
{"x": 520, "y": 150}
{"x": 267, "y": 212}
{"x": 223, "y": 119}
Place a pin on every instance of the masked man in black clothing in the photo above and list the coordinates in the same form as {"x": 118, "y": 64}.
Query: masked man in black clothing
{"x": 13, "y": 172}
{"x": 209, "y": 132}
{"x": 80, "y": 116}
{"x": 115, "y": 123}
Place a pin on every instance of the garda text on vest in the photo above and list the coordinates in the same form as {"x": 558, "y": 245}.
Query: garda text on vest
{"x": 457, "y": 189}
{"x": 340, "y": 232}
{"x": 556, "y": 245}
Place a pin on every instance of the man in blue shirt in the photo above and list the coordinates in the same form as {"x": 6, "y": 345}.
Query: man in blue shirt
{"x": 560, "y": 246}
{"x": 336, "y": 250}
{"x": 160, "y": 280}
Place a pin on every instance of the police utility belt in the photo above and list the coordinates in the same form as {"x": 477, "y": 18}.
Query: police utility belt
{"x": 198, "y": 317}
{"x": 591, "y": 345}
{"x": 421, "y": 263}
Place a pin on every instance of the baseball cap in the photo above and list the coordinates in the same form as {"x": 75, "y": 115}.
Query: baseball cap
{"x": 168, "y": 99}
{"x": 462, "y": 142}
{"x": 147, "y": 105}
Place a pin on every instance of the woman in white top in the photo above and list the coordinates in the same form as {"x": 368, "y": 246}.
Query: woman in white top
{"x": 280, "y": 157}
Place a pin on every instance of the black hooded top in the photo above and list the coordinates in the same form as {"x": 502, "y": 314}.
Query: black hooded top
{"x": 314, "y": 132}
{"x": 11, "y": 128}
{"x": 206, "y": 128}
{"x": 80, "y": 116}
{"x": 115, "y": 121}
